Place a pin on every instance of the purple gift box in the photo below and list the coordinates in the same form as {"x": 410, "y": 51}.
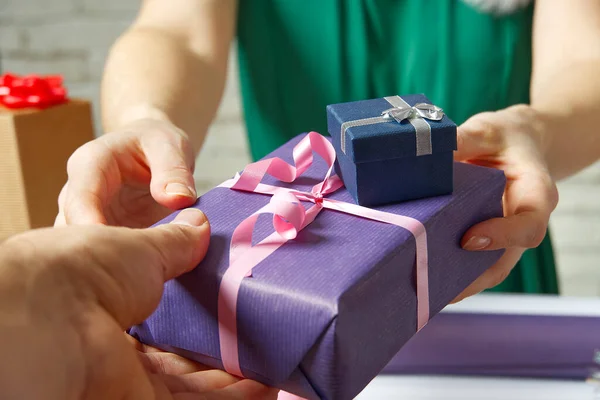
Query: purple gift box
{"x": 327, "y": 311}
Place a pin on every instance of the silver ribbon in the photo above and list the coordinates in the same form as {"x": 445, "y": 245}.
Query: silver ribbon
{"x": 399, "y": 112}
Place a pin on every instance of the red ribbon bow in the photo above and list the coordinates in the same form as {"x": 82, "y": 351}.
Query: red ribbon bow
{"x": 31, "y": 91}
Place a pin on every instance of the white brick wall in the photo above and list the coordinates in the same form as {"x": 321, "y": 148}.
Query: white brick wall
{"x": 108, "y": 6}
{"x": 576, "y": 232}
{"x": 33, "y": 8}
{"x": 72, "y": 37}
{"x": 11, "y": 38}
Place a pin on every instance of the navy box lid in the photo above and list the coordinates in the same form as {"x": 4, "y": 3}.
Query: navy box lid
{"x": 385, "y": 140}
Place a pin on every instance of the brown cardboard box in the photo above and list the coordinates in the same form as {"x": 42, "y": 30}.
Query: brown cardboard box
{"x": 34, "y": 148}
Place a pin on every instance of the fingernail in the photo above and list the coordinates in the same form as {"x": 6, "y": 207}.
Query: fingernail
{"x": 477, "y": 243}
{"x": 180, "y": 189}
{"x": 190, "y": 217}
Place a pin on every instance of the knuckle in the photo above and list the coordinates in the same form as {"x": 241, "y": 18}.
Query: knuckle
{"x": 512, "y": 239}
{"x": 530, "y": 235}
{"x": 180, "y": 170}
{"x": 18, "y": 243}
{"x": 60, "y": 220}
{"x": 178, "y": 237}
{"x": 537, "y": 234}
{"x": 162, "y": 256}
{"x": 81, "y": 156}
{"x": 182, "y": 234}
{"x": 523, "y": 116}
{"x": 173, "y": 174}
{"x": 488, "y": 132}
{"x": 499, "y": 277}
{"x": 485, "y": 131}
{"x": 161, "y": 365}
{"x": 97, "y": 153}
{"x": 521, "y": 110}
{"x": 554, "y": 196}
{"x": 168, "y": 137}
{"x": 181, "y": 137}
{"x": 62, "y": 196}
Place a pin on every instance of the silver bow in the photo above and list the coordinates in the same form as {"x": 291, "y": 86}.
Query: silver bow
{"x": 421, "y": 110}
{"x": 400, "y": 111}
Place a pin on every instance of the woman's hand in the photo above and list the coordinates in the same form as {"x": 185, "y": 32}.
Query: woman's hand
{"x": 66, "y": 296}
{"x": 132, "y": 178}
{"x": 512, "y": 140}
{"x": 181, "y": 375}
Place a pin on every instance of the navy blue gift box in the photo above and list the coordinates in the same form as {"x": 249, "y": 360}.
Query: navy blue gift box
{"x": 393, "y": 149}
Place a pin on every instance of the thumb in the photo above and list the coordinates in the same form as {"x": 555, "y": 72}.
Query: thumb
{"x": 137, "y": 263}
{"x": 478, "y": 136}
{"x": 171, "y": 162}
{"x": 180, "y": 245}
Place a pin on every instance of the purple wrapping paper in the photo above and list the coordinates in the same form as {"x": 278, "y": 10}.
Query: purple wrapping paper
{"x": 533, "y": 346}
{"x": 325, "y": 313}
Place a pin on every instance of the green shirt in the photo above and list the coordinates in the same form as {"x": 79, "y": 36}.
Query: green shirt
{"x": 298, "y": 56}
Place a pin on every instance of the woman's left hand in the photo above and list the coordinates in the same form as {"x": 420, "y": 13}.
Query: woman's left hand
{"x": 511, "y": 140}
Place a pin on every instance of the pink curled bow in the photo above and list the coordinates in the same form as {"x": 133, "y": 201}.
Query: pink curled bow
{"x": 289, "y": 218}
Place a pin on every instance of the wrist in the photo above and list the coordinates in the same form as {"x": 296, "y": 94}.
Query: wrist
{"x": 149, "y": 116}
{"x": 547, "y": 124}
{"x": 140, "y": 112}
{"x": 539, "y": 125}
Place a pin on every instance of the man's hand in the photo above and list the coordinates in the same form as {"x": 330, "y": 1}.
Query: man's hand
{"x": 510, "y": 140}
{"x": 66, "y": 296}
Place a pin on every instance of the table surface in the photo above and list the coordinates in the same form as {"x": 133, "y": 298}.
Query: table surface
{"x": 463, "y": 388}
{"x": 483, "y": 388}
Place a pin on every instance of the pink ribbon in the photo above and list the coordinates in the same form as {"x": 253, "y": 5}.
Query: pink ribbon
{"x": 289, "y": 218}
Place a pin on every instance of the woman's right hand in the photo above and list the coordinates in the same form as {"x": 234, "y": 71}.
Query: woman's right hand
{"x": 132, "y": 177}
